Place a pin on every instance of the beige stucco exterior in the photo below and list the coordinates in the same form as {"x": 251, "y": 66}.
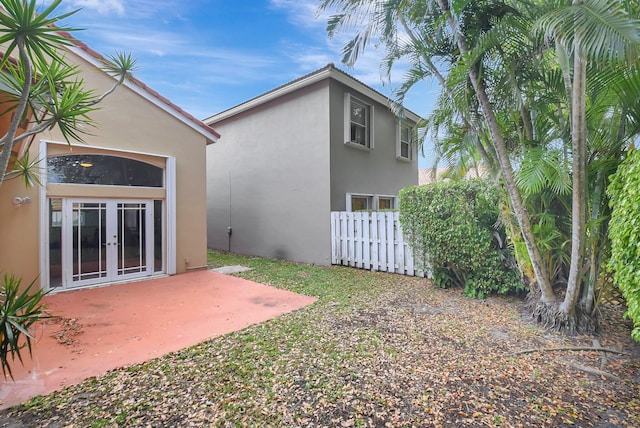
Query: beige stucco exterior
{"x": 134, "y": 122}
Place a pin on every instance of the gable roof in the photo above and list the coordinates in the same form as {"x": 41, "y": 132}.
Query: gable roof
{"x": 326, "y": 72}
{"x": 94, "y": 58}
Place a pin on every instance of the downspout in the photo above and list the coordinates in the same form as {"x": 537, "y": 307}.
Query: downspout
{"x": 229, "y": 229}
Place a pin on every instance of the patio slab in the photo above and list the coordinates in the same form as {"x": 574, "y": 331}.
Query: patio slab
{"x": 231, "y": 269}
{"x": 105, "y": 328}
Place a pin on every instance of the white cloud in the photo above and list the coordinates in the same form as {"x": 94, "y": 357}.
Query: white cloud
{"x": 104, "y": 7}
{"x": 313, "y": 60}
{"x": 300, "y": 12}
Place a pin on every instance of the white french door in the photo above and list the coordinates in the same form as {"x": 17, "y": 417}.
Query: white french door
{"x": 106, "y": 241}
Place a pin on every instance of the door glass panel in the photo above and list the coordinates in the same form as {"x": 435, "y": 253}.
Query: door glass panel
{"x": 55, "y": 242}
{"x": 132, "y": 257}
{"x": 89, "y": 241}
{"x": 94, "y": 242}
{"x": 157, "y": 236}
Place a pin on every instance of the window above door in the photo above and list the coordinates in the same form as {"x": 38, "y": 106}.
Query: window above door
{"x": 103, "y": 170}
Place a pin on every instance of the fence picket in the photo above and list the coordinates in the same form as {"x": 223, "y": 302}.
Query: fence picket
{"x": 366, "y": 242}
{"x": 375, "y": 260}
{"x": 344, "y": 254}
{"x": 391, "y": 241}
{"x": 401, "y": 265}
{"x": 335, "y": 238}
{"x": 382, "y": 242}
{"x": 351, "y": 241}
{"x": 357, "y": 238}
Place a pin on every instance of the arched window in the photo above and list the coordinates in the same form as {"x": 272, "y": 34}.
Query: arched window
{"x": 103, "y": 169}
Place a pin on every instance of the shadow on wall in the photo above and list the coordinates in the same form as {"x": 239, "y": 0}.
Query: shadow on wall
{"x": 280, "y": 254}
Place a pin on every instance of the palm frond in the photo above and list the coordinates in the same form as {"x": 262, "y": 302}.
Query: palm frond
{"x": 543, "y": 168}
{"x": 37, "y": 31}
{"x": 604, "y": 28}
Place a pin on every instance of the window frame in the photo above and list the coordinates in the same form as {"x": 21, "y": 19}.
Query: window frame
{"x": 91, "y": 169}
{"x": 392, "y": 199}
{"x": 400, "y": 126}
{"x": 349, "y": 100}
{"x": 373, "y": 201}
{"x": 368, "y": 198}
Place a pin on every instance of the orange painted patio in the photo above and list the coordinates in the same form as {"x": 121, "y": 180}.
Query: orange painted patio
{"x": 125, "y": 324}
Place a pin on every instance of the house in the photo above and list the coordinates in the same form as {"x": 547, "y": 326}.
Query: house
{"x": 129, "y": 203}
{"x": 324, "y": 142}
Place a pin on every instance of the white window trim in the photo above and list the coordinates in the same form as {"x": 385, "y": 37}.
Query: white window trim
{"x": 399, "y": 125}
{"x": 361, "y": 195}
{"x": 170, "y": 227}
{"x": 44, "y": 219}
{"x": 347, "y": 123}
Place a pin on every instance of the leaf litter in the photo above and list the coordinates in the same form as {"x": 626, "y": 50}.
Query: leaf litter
{"x": 376, "y": 350}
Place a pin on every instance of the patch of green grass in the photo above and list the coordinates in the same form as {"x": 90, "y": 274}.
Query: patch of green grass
{"x": 335, "y": 284}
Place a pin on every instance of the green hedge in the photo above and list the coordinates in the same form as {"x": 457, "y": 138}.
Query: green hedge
{"x": 624, "y": 232}
{"x": 452, "y": 226}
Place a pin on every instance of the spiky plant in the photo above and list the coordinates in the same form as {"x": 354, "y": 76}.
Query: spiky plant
{"x": 19, "y": 310}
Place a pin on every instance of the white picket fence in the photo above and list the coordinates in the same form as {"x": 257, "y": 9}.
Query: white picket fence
{"x": 371, "y": 240}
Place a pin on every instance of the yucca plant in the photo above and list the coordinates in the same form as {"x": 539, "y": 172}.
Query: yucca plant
{"x": 36, "y": 77}
{"x": 19, "y": 310}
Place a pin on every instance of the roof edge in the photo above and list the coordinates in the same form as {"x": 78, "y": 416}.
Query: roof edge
{"x": 94, "y": 58}
{"x": 328, "y": 71}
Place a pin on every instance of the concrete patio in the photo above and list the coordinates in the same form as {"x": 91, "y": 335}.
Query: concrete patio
{"x": 105, "y": 328}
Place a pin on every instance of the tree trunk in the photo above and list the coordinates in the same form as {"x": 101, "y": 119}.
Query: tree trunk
{"x": 579, "y": 181}
{"x": 540, "y": 269}
{"x": 8, "y": 140}
{"x": 488, "y": 161}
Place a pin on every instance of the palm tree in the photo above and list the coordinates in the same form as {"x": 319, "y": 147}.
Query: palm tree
{"x": 380, "y": 17}
{"x": 43, "y": 89}
{"x": 602, "y": 33}
{"x": 527, "y": 106}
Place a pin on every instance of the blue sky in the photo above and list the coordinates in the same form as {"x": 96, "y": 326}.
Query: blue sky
{"x": 209, "y": 55}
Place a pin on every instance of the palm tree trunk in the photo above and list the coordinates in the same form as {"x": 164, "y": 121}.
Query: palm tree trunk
{"x": 539, "y": 267}
{"x": 488, "y": 160}
{"x": 579, "y": 181}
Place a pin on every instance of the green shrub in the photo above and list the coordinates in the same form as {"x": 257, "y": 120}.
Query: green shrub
{"x": 18, "y": 312}
{"x": 624, "y": 232}
{"x": 452, "y": 226}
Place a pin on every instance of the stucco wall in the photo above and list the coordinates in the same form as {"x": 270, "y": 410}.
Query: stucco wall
{"x": 374, "y": 172}
{"x": 268, "y": 179}
{"x": 126, "y": 121}
{"x": 19, "y": 239}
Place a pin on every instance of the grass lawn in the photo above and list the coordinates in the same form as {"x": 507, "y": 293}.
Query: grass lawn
{"x": 375, "y": 350}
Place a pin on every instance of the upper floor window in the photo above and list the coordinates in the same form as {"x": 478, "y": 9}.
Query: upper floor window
{"x": 358, "y": 122}
{"x": 405, "y": 140}
{"x": 104, "y": 170}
